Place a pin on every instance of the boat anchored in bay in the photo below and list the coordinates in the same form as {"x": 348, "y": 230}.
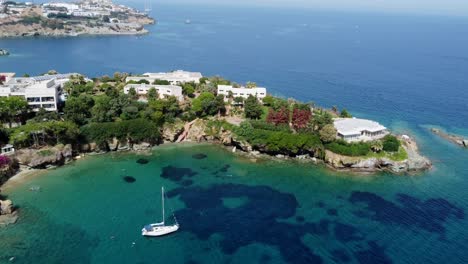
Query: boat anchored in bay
{"x": 160, "y": 229}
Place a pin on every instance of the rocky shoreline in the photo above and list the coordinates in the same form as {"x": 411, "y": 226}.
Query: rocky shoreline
{"x": 196, "y": 131}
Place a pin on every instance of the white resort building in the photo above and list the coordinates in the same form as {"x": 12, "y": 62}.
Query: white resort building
{"x": 39, "y": 92}
{"x": 163, "y": 90}
{"x": 355, "y": 129}
{"x": 174, "y": 77}
{"x": 258, "y": 92}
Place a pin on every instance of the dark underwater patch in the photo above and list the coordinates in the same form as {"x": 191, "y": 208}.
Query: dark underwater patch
{"x": 176, "y": 174}
{"x": 199, "y": 156}
{"x": 142, "y": 161}
{"x": 332, "y": 212}
{"x": 129, "y": 179}
{"x": 375, "y": 254}
{"x": 340, "y": 256}
{"x": 255, "y": 221}
{"x": 300, "y": 219}
{"x": 429, "y": 215}
{"x": 346, "y": 233}
{"x": 186, "y": 182}
{"x": 320, "y": 204}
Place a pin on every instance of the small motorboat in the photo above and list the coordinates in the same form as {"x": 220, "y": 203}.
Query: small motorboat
{"x": 160, "y": 229}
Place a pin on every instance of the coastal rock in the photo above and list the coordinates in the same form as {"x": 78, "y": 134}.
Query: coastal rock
{"x": 113, "y": 144}
{"x": 172, "y": 132}
{"x": 459, "y": 140}
{"x": 8, "y": 215}
{"x": 141, "y": 146}
{"x": 41, "y": 158}
{"x": 414, "y": 162}
{"x": 196, "y": 132}
{"x": 6, "y": 207}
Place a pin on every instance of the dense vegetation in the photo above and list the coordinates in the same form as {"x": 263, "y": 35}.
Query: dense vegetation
{"x": 98, "y": 111}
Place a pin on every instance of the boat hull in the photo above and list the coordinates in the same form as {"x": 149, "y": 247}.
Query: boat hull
{"x": 159, "y": 230}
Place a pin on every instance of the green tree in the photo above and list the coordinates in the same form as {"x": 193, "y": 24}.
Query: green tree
{"x": 13, "y": 109}
{"x": 205, "y": 104}
{"x": 376, "y": 146}
{"x": 251, "y": 85}
{"x": 152, "y": 94}
{"x": 78, "y": 109}
{"x": 239, "y": 100}
{"x": 268, "y": 100}
{"x": 252, "y": 108}
{"x": 188, "y": 89}
{"x": 345, "y": 114}
{"x": 319, "y": 119}
{"x": 132, "y": 93}
{"x": 391, "y": 143}
{"x": 327, "y": 133}
{"x": 101, "y": 111}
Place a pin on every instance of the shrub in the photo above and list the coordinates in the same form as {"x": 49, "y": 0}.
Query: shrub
{"x": 278, "y": 117}
{"x": 4, "y": 161}
{"x": 349, "y": 149}
{"x": 136, "y": 130}
{"x": 390, "y": 143}
{"x": 279, "y": 141}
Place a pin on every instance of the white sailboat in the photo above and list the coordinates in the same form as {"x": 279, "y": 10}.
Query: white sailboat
{"x": 160, "y": 229}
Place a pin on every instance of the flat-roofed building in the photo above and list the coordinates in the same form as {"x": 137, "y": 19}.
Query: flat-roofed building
{"x": 259, "y": 92}
{"x": 173, "y": 77}
{"x": 356, "y": 129}
{"x": 39, "y": 91}
{"x": 163, "y": 90}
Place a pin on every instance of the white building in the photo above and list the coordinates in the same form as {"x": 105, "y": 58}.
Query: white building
{"x": 163, "y": 90}
{"x": 39, "y": 92}
{"x": 174, "y": 77}
{"x": 355, "y": 129}
{"x": 259, "y": 92}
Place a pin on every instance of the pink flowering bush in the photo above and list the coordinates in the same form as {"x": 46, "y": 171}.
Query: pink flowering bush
{"x": 4, "y": 161}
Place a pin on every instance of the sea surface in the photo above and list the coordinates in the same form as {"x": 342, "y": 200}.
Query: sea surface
{"x": 408, "y": 72}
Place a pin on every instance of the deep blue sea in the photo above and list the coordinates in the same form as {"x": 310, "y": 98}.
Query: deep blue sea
{"x": 408, "y": 72}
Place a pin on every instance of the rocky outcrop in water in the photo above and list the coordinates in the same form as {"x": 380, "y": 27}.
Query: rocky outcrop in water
{"x": 456, "y": 139}
{"x": 4, "y": 52}
{"x": 8, "y": 215}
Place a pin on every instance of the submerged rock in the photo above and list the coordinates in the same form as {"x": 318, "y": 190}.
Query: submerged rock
{"x": 129, "y": 179}
{"x": 199, "y": 156}
{"x": 142, "y": 161}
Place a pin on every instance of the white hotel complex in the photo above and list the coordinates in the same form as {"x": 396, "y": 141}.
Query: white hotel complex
{"x": 355, "y": 129}
{"x": 174, "y": 77}
{"x": 258, "y": 92}
{"x": 39, "y": 92}
{"x": 163, "y": 90}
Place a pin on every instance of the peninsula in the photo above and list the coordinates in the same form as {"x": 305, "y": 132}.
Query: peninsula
{"x": 93, "y": 17}
{"x": 51, "y": 119}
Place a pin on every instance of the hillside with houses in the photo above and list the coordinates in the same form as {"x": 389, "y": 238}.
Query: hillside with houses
{"x": 50, "y": 119}
{"x": 95, "y": 17}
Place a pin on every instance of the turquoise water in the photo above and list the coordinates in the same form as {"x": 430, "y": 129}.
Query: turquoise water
{"x": 235, "y": 210}
{"x": 410, "y": 73}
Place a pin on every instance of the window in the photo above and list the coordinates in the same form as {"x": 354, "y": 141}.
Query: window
{"x": 48, "y": 106}
{"x": 47, "y": 99}
{"x": 33, "y": 99}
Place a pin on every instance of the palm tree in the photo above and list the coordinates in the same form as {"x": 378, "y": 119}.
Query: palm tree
{"x": 377, "y": 146}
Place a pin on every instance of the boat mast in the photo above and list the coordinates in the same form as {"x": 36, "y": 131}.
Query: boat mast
{"x": 162, "y": 196}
